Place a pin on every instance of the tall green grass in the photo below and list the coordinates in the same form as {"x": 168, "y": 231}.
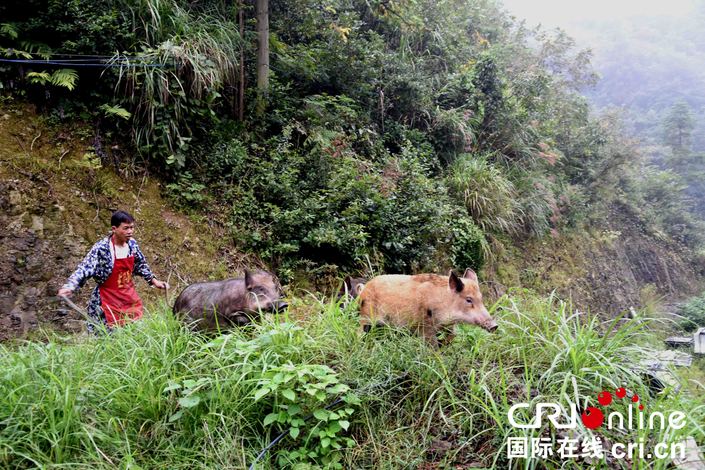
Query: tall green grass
{"x": 154, "y": 394}
{"x": 489, "y": 196}
{"x": 199, "y": 47}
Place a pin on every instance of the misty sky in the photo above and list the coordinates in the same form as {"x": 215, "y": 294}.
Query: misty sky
{"x": 551, "y": 13}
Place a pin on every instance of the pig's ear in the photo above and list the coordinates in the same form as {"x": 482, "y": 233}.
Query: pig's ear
{"x": 358, "y": 288}
{"x": 470, "y": 274}
{"x": 454, "y": 282}
{"x": 249, "y": 282}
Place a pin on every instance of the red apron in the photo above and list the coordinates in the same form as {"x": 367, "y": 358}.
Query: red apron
{"x": 118, "y": 297}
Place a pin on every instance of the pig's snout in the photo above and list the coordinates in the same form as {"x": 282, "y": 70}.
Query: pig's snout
{"x": 281, "y": 305}
{"x": 491, "y": 326}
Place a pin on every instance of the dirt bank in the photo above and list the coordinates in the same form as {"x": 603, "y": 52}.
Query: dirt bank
{"x": 619, "y": 263}
{"x": 56, "y": 197}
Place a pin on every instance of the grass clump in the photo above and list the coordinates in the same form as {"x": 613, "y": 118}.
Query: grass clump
{"x": 489, "y": 197}
{"x": 156, "y": 394}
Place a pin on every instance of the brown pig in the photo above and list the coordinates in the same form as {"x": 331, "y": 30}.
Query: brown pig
{"x": 424, "y": 303}
{"x": 232, "y": 302}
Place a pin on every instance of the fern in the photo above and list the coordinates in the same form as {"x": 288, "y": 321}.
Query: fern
{"x": 115, "y": 111}
{"x": 37, "y": 48}
{"x": 11, "y": 52}
{"x": 39, "y": 78}
{"x": 8, "y": 30}
{"x": 66, "y": 78}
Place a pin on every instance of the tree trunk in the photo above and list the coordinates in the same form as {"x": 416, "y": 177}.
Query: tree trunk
{"x": 262, "y": 11}
{"x": 241, "y": 90}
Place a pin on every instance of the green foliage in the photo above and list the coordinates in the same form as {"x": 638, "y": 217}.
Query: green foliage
{"x": 187, "y": 192}
{"x": 90, "y": 161}
{"x": 50, "y": 30}
{"x": 302, "y": 390}
{"x": 326, "y": 204}
{"x": 40, "y": 78}
{"x": 9, "y": 30}
{"x": 117, "y": 111}
{"x": 693, "y": 313}
{"x": 198, "y": 48}
{"x": 399, "y": 134}
{"x": 65, "y": 78}
{"x": 489, "y": 196}
{"x": 678, "y": 128}
{"x": 74, "y": 26}
{"x": 660, "y": 196}
{"x": 469, "y": 248}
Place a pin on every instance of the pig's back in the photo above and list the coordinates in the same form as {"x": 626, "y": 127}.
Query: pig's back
{"x": 204, "y": 296}
{"x": 396, "y": 298}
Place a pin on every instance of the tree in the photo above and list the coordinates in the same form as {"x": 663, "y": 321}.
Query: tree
{"x": 262, "y": 12}
{"x": 678, "y": 128}
{"x": 241, "y": 68}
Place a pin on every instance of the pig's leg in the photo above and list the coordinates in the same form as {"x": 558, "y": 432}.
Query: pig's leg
{"x": 367, "y": 322}
{"x": 367, "y": 318}
{"x": 429, "y": 333}
{"x": 366, "y": 325}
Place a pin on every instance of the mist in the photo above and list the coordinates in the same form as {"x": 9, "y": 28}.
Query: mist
{"x": 650, "y": 57}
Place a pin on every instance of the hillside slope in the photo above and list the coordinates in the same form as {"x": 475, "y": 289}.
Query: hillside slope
{"x": 619, "y": 263}
{"x": 56, "y": 197}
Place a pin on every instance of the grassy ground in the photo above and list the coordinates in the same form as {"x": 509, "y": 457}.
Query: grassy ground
{"x": 157, "y": 395}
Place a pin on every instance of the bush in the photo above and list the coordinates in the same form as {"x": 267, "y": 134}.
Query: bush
{"x": 693, "y": 312}
{"x": 469, "y": 247}
{"x": 660, "y": 197}
{"x": 307, "y": 198}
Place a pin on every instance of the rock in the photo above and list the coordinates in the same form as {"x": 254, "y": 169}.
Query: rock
{"x": 31, "y": 295}
{"x": 15, "y": 198}
{"x": 16, "y": 317}
{"x": 15, "y": 226}
{"x": 693, "y": 458}
{"x": 74, "y": 326}
{"x": 699, "y": 341}
{"x": 677, "y": 341}
{"x": 38, "y": 225}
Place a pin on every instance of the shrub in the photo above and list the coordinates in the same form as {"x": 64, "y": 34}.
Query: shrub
{"x": 469, "y": 248}
{"x": 306, "y": 197}
{"x": 693, "y": 312}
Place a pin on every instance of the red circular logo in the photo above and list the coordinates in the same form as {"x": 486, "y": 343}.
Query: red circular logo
{"x": 592, "y": 417}
{"x": 604, "y": 398}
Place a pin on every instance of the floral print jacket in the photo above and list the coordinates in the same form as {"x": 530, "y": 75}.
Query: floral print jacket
{"x": 98, "y": 264}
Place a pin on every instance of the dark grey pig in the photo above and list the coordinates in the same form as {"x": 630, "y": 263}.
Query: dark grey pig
{"x": 232, "y": 302}
{"x": 351, "y": 288}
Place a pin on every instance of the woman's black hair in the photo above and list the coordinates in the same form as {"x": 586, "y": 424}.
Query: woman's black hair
{"x": 121, "y": 217}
